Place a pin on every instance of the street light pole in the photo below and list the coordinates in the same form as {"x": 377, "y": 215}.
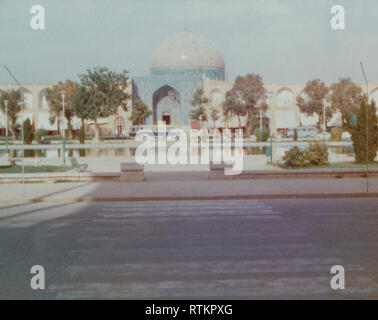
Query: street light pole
{"x": 260, "y": 128}
{"x": 23, "y": 146}
{"x": 324, "y": 121}
{"x": 22, "y": 128}
{"x": 6, "y": 125}
{"x": 367, "y": 129}
{"x": 270, "y": 135}
{"x": 63, "y": 128}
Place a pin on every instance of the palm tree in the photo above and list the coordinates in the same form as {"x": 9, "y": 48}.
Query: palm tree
{"x": 54, "y": 99}
{"x": 14, "y": 108}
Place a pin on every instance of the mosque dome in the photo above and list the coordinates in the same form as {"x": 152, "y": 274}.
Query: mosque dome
{"x": 186, "y": 49}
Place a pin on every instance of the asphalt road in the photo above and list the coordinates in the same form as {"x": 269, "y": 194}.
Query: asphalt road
{"x": 229, "y": 249}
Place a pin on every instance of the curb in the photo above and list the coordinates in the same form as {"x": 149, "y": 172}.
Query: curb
{"x": 210, "y": 175}
{"x": 198, "y": 198}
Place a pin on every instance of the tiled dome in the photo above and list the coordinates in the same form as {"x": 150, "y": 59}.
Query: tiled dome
{"x": 186, "y": 49}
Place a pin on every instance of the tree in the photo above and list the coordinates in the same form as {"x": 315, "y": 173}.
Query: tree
{"x": 265, "y": 133}
{"x": 101, "y": 93}
{"x": 82, "y": 102}
{"x": 140, "y": 112}
{"x": 54, "y": 99}
{"x": 226, "y": 116}
{"x": 14, "y": 108}
{"x": 345, "y": 96}
{"x": 234, "y": 104}
{"x": 359, "y": 133}
{"x": 316, "y": 95}
{"x": 199, "y": 100}
{"x": 28, "y": 131}
{"x": 214, "y": 114}
{"x": 82, "y": 134}
{"x": 252, "y": 95}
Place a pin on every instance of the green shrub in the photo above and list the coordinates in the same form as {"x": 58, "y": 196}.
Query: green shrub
{"x": 264, "y": 134}
{"x": 359, "y": 133}
{"x": 336, "y": 134}
{"x": 295, "y": 137}
{"x": 82, "y": 134}
{"x": 39, "y": 135}
{"x": 294, "y": 158}
{"x": 316, "y": 154}
{"x": 28, "y": 131}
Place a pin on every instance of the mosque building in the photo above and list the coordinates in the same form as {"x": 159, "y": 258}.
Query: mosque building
{"x": 178, "y": 67}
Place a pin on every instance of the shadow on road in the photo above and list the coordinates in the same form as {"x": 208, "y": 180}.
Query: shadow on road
{"x": 199, "y": 249}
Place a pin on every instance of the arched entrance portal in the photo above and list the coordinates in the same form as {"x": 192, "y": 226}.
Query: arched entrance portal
{"x": 167, "y": 105}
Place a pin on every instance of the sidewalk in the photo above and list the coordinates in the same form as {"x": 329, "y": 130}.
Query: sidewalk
{"x": 189, "y": 173}
{"x": 180, "y": 190}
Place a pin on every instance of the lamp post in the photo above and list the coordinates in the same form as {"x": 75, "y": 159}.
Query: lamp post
{"x": 270, "y": 135}
{"x": 6, "y": 125}
{"x": 260, "y": 128}
{"x": 23, "y": 142}
{"x": 63, "y": 93}
{"x": 324, "y": 122}
{"x": 367, "y": 128}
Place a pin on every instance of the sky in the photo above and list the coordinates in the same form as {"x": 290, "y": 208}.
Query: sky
{"x": 282, "y": 40}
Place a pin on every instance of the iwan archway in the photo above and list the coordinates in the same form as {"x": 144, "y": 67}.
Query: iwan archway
{"x": 167, "y": 105}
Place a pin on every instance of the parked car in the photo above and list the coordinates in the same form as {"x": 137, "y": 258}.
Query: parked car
{"x": 141, "y": 131}
{"x": 116, "y": 137}
{"x": 346, "y": 135}
{"x": 325, "y": 135}
{"x": 175, "y": 134}
{"x": 302, "y": 132}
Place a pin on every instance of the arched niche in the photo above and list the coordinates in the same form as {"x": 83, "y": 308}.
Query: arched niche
{"x": 285, "y": 98}
{"x": 27, "y": 99}
{"x": 374, "y": 96}
{"x": 43, "y": 100}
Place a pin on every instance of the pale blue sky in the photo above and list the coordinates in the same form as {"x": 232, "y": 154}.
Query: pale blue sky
{"x": 283, "y": 41}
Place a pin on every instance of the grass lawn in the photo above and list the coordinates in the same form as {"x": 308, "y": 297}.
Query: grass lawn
{"x": 344, "y": 165}
{"x": 32, "y": 169}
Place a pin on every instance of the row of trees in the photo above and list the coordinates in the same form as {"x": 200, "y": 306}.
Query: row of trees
{"x": 248, "y": 96}
{"x": 364, "y": 137}
{"x": 344, "y": 96}
{"x": 100, "y": 94}
{"x": 245, "y": 98}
